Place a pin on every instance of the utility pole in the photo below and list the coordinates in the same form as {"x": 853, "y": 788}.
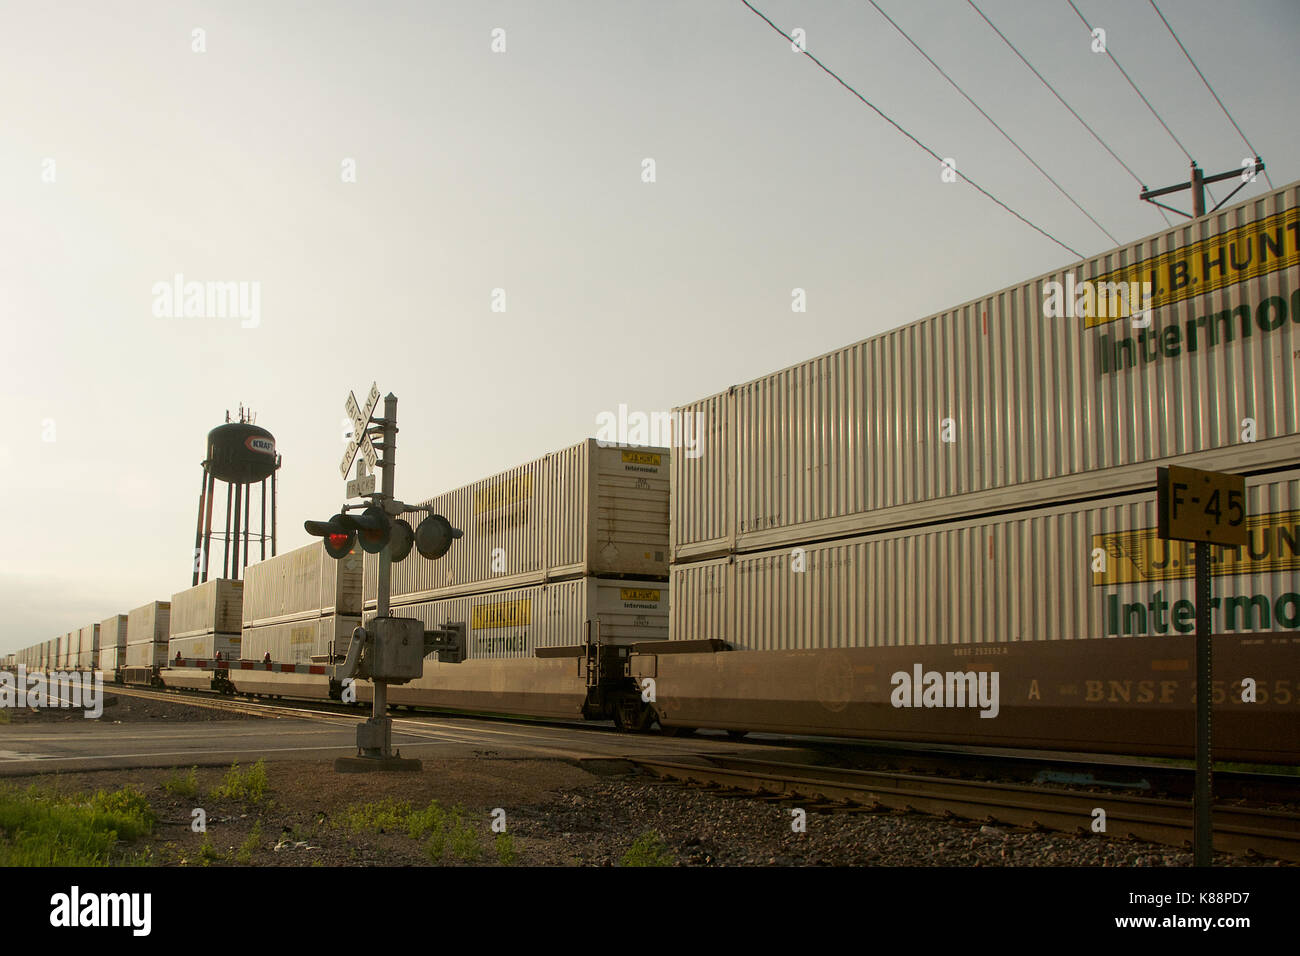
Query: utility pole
{"x": 1197, "y": 185}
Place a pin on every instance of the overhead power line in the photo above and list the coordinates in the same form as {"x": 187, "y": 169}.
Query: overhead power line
{"x": 833, "y": 75}
{"x": 1061, "y": 189}
{"x": 1104, "y": 145}
{"x": 1170, "y": 28}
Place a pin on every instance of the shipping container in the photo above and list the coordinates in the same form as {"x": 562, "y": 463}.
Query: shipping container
{"x": 302, "y": 583}
{"x": 1054, "y": 574}
{"x": 583, "y": 510}
{"x": 998, "y": 403}
{"x": 112, "y": 643}
{"x": 88, "y": 652}
{"x": 297, "y": 642}
{"x": 205, "y": 647}
{"x": 513, "y": 623}
{"x": 214, "y": 606}
{"x": 147, "y": 634}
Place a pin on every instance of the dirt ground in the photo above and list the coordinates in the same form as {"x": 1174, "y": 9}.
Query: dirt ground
{"x": 558, "y": 814}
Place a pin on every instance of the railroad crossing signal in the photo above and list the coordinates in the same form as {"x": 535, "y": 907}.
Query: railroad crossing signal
{"x": 337, "y": 534}
{"x": 360, "y": 439}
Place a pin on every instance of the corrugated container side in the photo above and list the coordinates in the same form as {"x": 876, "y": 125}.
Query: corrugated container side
{"x": 300, "y": 584}
{"x": 581, "y": 510}
{"x": 213, "y": 606}
{"x": 628, "y": 520}
{"x": 702, "y": 481}
{"x": 297, "y": 642}
{"x": 88, "y": 652}
{"x": 147, "y": 629}
{"x": 515, "y": 622}
{"x": 1024, "y": 578}
{"x": 992, "y": 404}
{"x": 205, "y": 647}
{"x": 112, "y": 642}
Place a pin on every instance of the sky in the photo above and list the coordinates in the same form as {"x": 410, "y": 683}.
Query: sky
{"x": 375, "y": 172}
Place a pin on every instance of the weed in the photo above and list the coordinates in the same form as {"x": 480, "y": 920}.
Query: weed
{"x": 44, "y": 829}
{"x": 208, "y": 854}
{"x": 506, "y": 849}
{"x": 244, "y": 855}
{"x": 183, "y": 786}
{"x": 249, "y": 786}
{"x": 648, "y": 850}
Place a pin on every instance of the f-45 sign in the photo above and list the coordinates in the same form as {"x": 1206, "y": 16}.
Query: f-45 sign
{"x": 1206, "y": 506}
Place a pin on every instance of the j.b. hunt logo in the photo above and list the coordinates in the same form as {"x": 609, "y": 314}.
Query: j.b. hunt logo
{"x": 179, "y": 299}
{"x": 948, "y": 689}
{"x": 57, "y": 689}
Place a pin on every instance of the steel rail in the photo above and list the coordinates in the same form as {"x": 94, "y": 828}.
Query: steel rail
{"x": 1272, "y": 833}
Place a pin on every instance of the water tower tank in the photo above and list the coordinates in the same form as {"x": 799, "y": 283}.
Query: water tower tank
{"x": 240, "y": 453}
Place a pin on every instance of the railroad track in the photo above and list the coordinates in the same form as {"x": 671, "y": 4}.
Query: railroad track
{"x": 1271, "y": 833}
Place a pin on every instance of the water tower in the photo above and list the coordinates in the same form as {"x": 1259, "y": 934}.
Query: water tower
{"x": 240, "y": 454}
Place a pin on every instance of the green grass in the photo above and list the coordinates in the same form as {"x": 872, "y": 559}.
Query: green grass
{"x": 506, "y": 854}
{"x": 208, "y": 854}
{"x": 45, "y": 829}
{"x": 248, "y": 786}
{"x": 244, "y": 855}
{"x": 183, "y": 785}
{"x": 438, "y": 830}
{"x": 648, "y": 850}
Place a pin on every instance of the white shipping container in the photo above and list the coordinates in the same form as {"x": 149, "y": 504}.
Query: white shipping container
{"x": 297, "y": 642}
{"x": 112, "y": 643}
{"x": 583, "y": 510}
{"x": 215, "y": 606}
{"x": 302, "y": 583}
{"x": 147, "y": 629}
{"x": 515, "y": 622}
{"x": 1025, "y": 577}
{"x": 88, "y": 648}
{"x": 994, "y": 404}
{"x": 205, "y": 647}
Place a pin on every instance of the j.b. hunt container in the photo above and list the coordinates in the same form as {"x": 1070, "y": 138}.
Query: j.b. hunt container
{"x": 997, "y": 404}
{"x": 583, "y": 510}
{"x": 112, "y": 643}
{"x": 298, "y": 642}
{"x": 205, "y": 620}
{"x": 147, "y": 633}
{"x": 1083, "y": 612}
{"x": 501, "y": 672}
{"x": 303, "y": 583}
{"x": 1063, "y": 573}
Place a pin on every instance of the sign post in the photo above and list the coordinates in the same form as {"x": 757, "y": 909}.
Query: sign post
{"x": 1207, "y": 507}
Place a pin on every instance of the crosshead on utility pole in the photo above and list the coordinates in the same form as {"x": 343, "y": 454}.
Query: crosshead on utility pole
{"x": 1199, "y": 181}
{"x": 387, "y": 649}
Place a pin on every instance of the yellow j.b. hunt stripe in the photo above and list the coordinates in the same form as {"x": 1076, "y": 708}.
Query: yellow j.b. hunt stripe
{"x": 503, "y": 493}
{"x": 1142, "y": 555}
{"x": 641, "y": 458}
{"x": 502, "y": 614}
{"x": 638, "y": 594}
{"x": 1215, "y": 263}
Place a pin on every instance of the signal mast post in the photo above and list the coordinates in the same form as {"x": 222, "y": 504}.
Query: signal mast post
{"x": 388, "y": 650}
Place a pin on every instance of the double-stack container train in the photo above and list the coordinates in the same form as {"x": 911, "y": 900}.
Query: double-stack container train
{"x": 945, "y": 532}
